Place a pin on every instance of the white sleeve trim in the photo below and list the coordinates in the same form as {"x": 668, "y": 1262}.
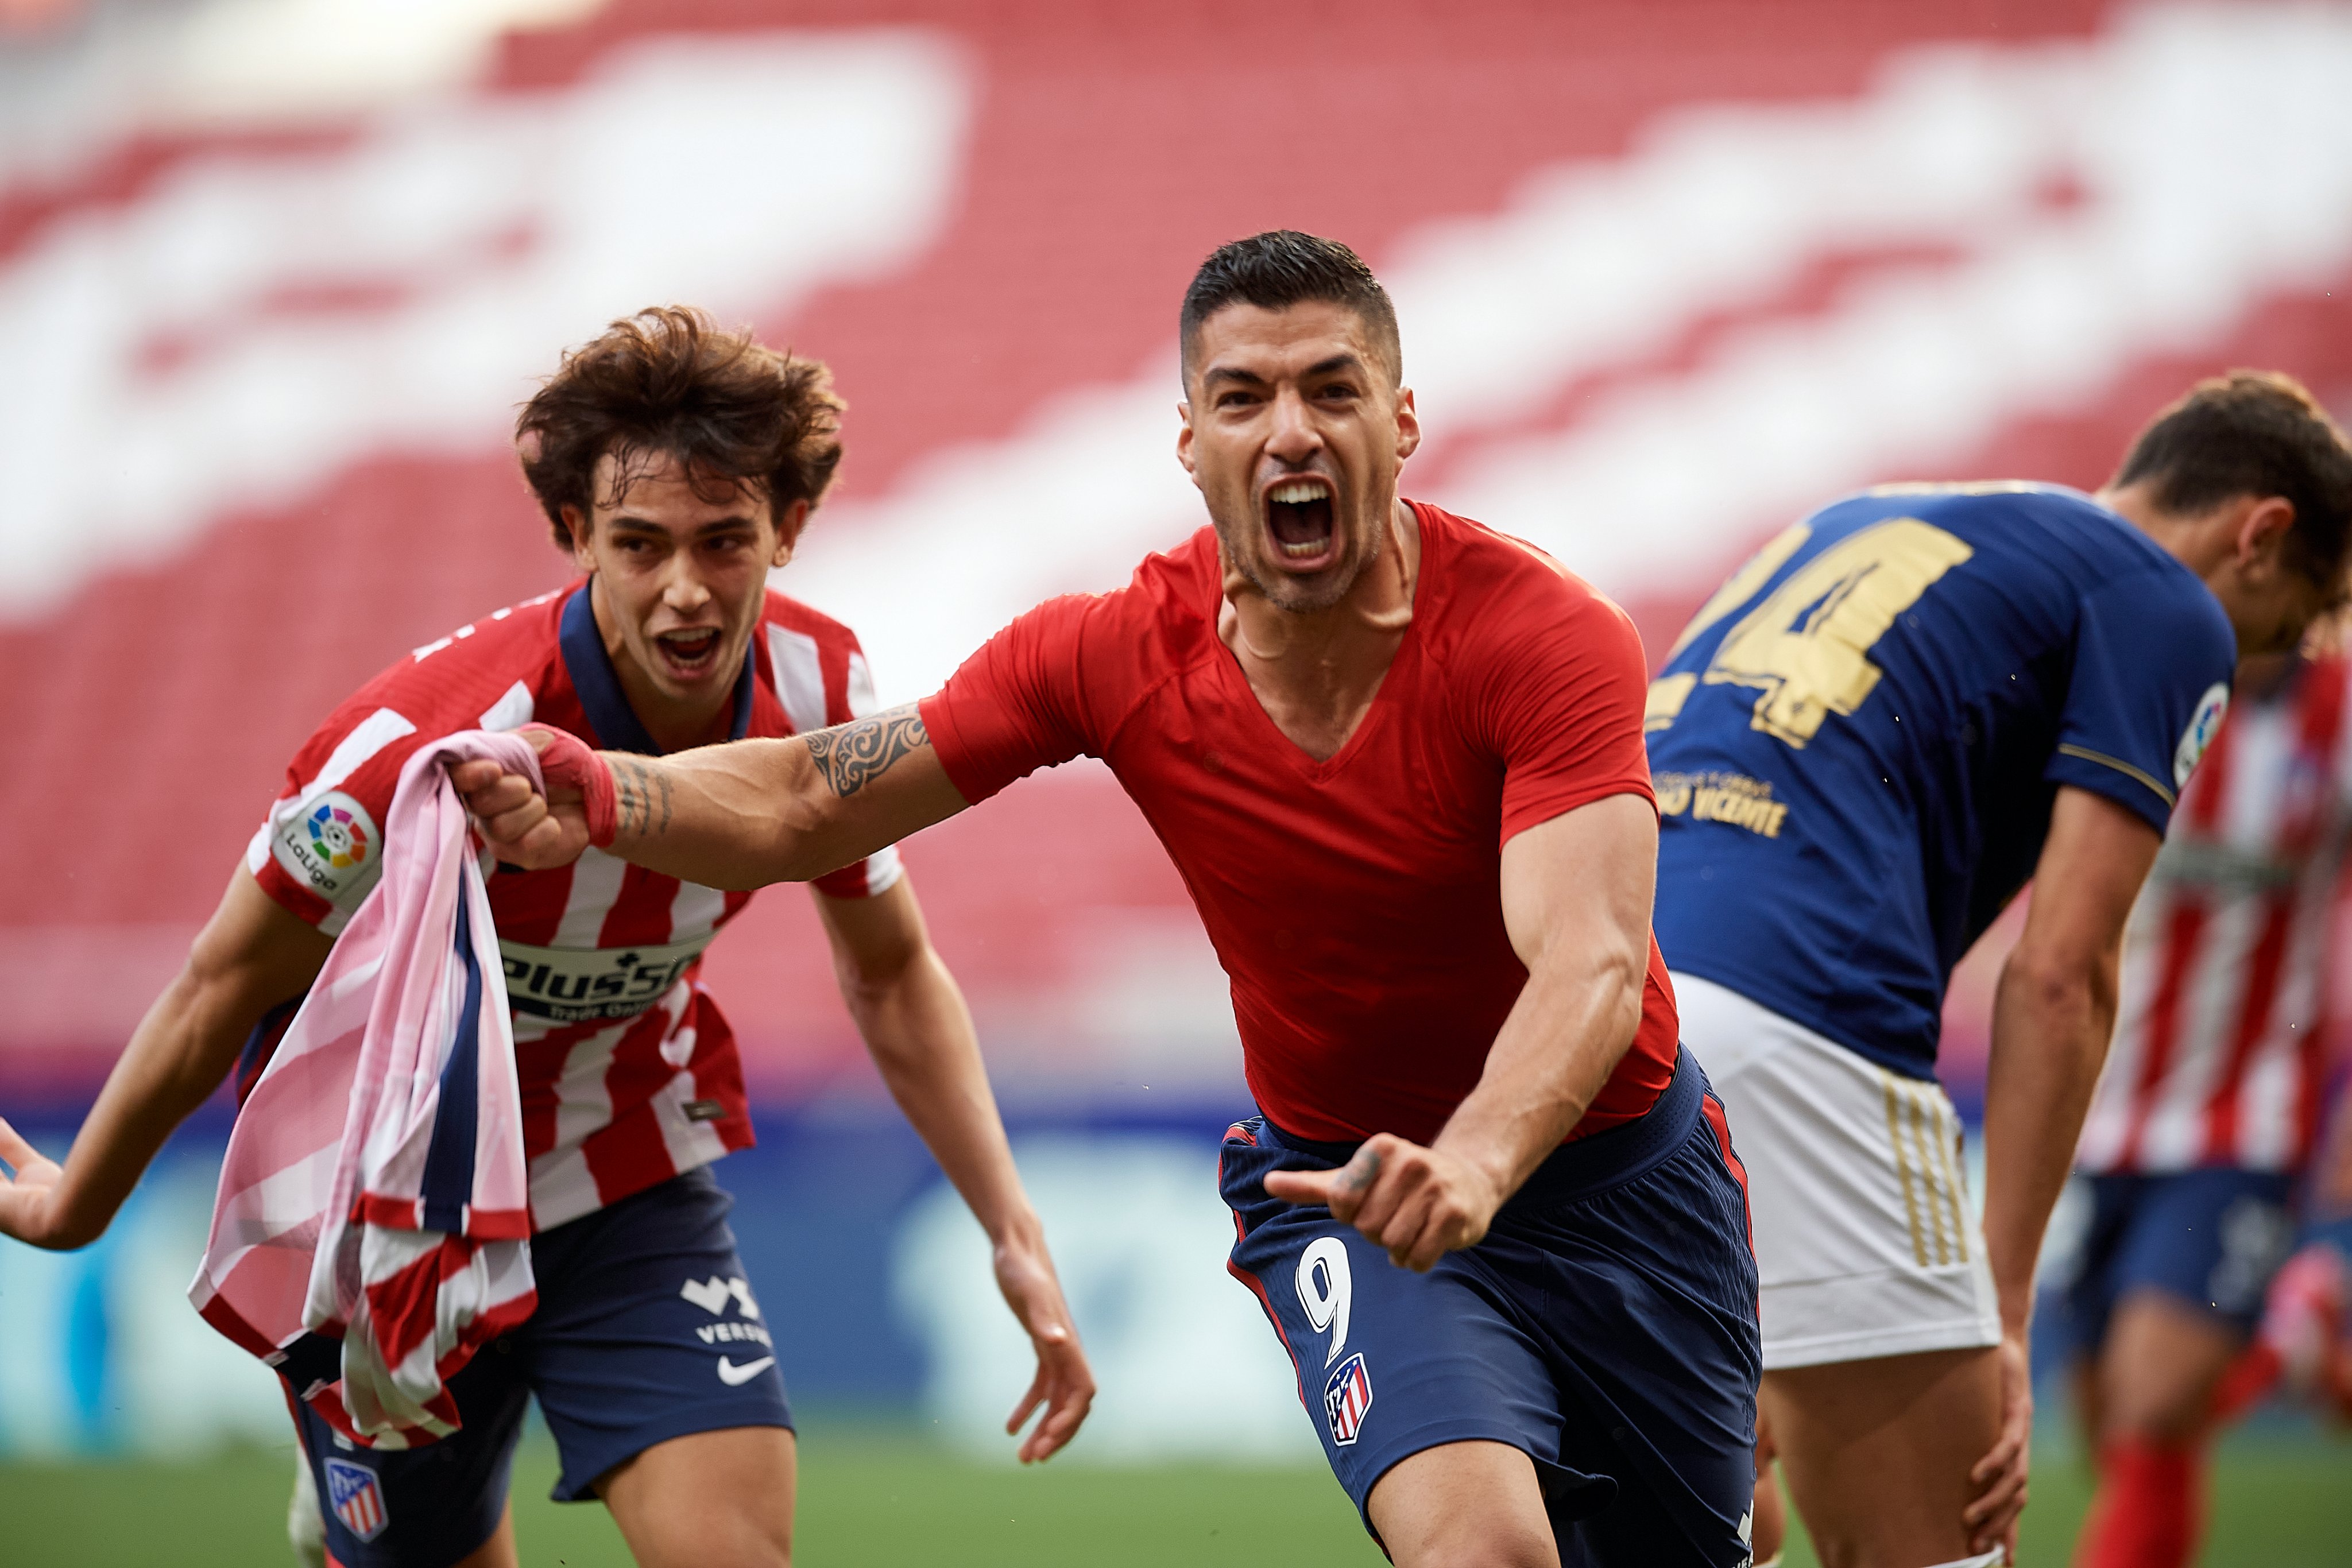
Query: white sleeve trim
{"x": 882, "y": 870}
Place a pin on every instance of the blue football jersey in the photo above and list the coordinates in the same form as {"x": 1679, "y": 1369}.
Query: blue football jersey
{"x": 1857, "y": 742}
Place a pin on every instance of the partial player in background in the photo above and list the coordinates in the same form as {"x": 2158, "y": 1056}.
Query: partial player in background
{"x": 677, "y": 465}
{"x": 1867, "y": 742}
{"x": 2303, "y": 1348}
{"x": 2209, "y": 1107}
{"x": 1489, "y": 1206}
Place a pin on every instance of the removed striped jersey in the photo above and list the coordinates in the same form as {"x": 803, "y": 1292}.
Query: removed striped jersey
{"x": 629, "y": 1072}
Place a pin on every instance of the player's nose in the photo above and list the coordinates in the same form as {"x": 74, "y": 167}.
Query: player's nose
{"x": 682, "y": 587}
{"x": 1294, "y": 435}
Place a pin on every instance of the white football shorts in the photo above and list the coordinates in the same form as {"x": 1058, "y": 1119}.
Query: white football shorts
{"x": 1866, "y": 1241}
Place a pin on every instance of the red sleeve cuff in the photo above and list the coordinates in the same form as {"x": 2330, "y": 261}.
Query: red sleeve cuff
{"x": 966, "y": 768}
{"x": 1519, "y": 816}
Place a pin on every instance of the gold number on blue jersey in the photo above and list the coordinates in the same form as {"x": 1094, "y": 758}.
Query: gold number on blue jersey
{"x": 1668, "y": 692}
{"x": 1741, "y": 586}
{"x": 1807, "y": 645}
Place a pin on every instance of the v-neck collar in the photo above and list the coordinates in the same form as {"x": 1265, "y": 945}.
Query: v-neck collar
{"x": 1408, "y": 648}
{"x": 599, "y": 685}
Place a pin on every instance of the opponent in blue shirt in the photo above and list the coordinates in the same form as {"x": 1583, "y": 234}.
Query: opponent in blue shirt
{"x": 1885, "y": 724}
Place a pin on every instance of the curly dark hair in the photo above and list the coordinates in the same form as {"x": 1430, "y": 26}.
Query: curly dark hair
{"x": 666, "y": 381}
{"x": 2254, "y": 433}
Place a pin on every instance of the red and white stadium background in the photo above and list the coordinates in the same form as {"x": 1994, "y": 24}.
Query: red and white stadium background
{"x": 274, "y": 273}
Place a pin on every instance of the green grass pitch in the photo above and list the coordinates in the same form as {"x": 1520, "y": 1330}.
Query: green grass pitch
{"x": 883, "y": 1496}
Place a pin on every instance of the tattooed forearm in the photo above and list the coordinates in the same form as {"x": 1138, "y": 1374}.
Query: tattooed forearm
{"x": 642, "y": 795}
{"x": 852, "y": 755}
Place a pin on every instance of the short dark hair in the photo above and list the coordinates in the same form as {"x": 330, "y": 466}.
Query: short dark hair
{"x": 2254, "y": 433}
{"x": 1283, "y": 267}
{"x": 669, "y": 382}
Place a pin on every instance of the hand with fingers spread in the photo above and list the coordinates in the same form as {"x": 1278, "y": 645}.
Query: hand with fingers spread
{"x": 526, "y": 828}
{"x": 1065, "y": 1385}
{"x": 1419, "y": 1203}
{"x": 27, "y": 1200}
{"x": 2000, "y": 1476}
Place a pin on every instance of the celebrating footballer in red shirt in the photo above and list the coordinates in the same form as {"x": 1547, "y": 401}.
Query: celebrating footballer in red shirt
{"x": 1488, "y": 1206}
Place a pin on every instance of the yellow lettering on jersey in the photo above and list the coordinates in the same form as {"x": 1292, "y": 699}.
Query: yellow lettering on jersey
{"x": 1807, "y": 643}
{"x": 1732, "y": 797}
{"x": 1674, "y": 793}
{"x": 1743, "y": 583}
{"x": 1741, "y": 811}
{"x": 1667, "y": 694}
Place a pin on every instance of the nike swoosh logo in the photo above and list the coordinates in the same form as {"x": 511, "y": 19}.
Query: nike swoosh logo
{"x": 735, "y": 1376}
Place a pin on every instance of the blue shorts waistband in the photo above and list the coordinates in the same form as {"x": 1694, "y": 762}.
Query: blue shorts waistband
{"x": 1588, "y": 1166}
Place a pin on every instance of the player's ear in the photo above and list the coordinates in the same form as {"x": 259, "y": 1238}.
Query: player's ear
{"x": 577, "y": 525}
{"x": 1184, "y": 440}
{"x": 2262, "y": 531}
{"x": 1408, "y": 424}
{"x": 789, "y": 524}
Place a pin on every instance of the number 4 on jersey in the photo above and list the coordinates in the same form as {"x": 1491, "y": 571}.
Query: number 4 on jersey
{"x": 1807, "y": 645}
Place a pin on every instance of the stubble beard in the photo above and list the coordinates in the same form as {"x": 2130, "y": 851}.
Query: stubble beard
{"x": 1286, "y": 592}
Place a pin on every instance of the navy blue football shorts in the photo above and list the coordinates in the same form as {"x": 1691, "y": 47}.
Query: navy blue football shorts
{"x": 2211, "y": 1237}
{"x": 645, "y": 1331}
{"x": 1605, "y": 1327}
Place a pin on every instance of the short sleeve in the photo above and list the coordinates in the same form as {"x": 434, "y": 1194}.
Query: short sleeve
{"x": 1018, "y": 704}
{"x": 319, "y": 848}
{"x": 1562, "y": 706}
{"x": 2153, "y": 659}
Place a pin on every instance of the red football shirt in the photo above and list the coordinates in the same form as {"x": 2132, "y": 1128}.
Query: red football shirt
{"x": 1355, "y": 904}
{"x": 629, "y": 1072}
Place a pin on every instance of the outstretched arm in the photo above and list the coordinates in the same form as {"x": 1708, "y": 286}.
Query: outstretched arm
{"x": 2054, "y": 1014}
{"x": 1576, "y": 895}
{"x": 920, "y": 1033}
{"x": 249, "y": 957}
{"x": 738, "y": 815}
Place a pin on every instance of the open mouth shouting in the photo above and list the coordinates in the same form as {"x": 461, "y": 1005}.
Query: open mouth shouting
{"x": 689, "y": 654}
{"x": 1301, "y": 522}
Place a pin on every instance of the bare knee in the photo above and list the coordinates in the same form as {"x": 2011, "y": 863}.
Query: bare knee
{"x": 743, "y": 1543}
{"x": 1877, "y": 1453}
{"x": 719, "y": 1541}
{"x": 713, "y": 1499}
{"x": 1477, "y": 1545}
{"x": 1464, "y": 1505}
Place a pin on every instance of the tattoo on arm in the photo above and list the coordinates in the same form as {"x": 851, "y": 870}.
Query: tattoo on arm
{"x": 642, "y": 794}
{"x": 852, "y": 756}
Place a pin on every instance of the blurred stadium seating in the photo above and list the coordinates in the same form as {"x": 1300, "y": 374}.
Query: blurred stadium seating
{"x": 1669, "y": 271}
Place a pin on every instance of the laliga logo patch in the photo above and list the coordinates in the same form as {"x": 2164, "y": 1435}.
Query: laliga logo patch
{"x": 331, "y": 848}
{"x": 357, "y": 1501}
{"x": 1347, "y": 1399}
{"x": 338, "y": 835}
{"x": 2199, "y": 735}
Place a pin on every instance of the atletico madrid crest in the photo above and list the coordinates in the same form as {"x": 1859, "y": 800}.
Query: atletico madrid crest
{"x": 1346, "y": 1399}
{"x": 357, "y": 1501}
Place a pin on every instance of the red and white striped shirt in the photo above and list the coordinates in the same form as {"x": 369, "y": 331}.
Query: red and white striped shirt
{"x": 2219, "y": 1057}
{"x": 629, "y": 1073}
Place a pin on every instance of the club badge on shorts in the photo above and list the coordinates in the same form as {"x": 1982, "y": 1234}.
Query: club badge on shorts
{"x": 1346, "y": 1397}
{"x": 357, "y": 1501}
